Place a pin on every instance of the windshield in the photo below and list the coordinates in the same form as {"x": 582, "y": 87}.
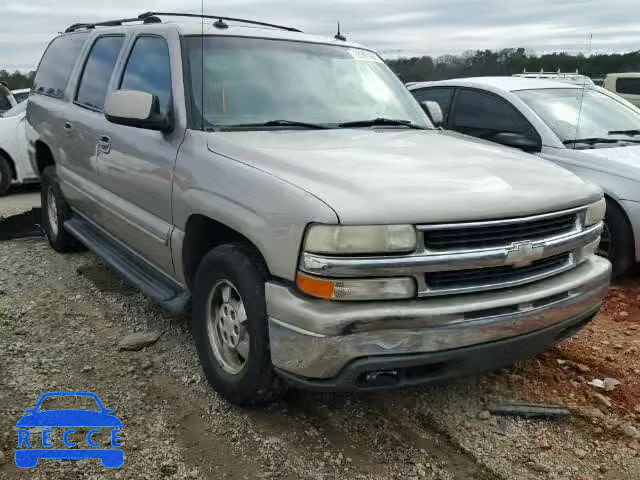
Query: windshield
{"x": 601, "y": 115}
{"x": 254, "y": 81}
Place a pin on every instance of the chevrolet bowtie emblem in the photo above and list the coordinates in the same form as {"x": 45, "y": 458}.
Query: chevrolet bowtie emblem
{"x": 521, "y": 254}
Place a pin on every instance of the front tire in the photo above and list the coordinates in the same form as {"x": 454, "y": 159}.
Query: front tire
{"x": 55, "y": 212}
{"x": 230, "y": 325}
{"x": 5, "y": 175}
{"x": 617, "y": 242}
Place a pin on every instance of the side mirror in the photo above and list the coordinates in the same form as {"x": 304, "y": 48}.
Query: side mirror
{"x": 434, "y": 111}
{"x": 517, "y": 140}
{"x": 136, "y": 109}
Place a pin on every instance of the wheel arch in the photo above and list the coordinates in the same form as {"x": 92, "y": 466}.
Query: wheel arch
{"x": 202, "y": 234}
{"x": 12, "y": 164}
{"x": 44, "y": 156}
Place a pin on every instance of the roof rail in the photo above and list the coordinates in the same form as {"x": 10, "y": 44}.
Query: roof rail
{"x": 217, "y": 17}
{"x": 152, "y": 17}
{"x": 557, "y": 72}
{"x": 111, "y": 23}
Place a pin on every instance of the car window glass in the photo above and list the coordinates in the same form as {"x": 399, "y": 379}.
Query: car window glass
{"x": 441, "y": 95}
{"x": 21, "y": 97}
{"x": 628, "y": 86}
{"x": 5, "y": 104}
{"x": 97, "y": 72}
{"x": 483, "y": 115}
{"x": 149, "y": 70}
{"x": 57, "y": 64}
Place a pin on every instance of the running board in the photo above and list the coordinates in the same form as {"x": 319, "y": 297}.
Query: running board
{"x": 164, "y": 291}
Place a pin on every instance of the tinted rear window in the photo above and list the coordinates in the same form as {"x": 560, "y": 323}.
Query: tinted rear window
{"x": 628, "y": 86}
{"x": 97, "y": 73}
{"x": 57, "y": 64}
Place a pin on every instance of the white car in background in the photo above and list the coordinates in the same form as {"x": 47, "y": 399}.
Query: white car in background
{"x": 15, "y": 167}
{"x": 541, "y": 117}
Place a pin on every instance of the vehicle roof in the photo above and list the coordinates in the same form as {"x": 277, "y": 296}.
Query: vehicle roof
{"x": 190, "y": 28}
{"x": 624, "y": 74}
{"x": 510, "y": 84}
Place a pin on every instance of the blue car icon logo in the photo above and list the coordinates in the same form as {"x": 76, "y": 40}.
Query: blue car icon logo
{"x": 33, "y": 445}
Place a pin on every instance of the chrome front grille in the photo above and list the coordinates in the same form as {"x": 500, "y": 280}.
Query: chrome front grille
{"x": 475, "y": 279}
{"x": 467, "y": 257}
{"x": 490, "y": 234}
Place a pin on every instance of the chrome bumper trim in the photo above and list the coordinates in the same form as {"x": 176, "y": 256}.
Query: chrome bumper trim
{"x": 316, "y": 339}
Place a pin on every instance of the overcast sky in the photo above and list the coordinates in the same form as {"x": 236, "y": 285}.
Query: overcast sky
{"x": 412, "y": 27}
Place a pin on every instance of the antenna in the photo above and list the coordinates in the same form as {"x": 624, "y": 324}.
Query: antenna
{"x": 584, "y": 87}
{"x": 339, "y": 36}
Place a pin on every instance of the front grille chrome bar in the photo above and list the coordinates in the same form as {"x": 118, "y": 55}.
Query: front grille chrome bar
{"x": 422, "y": 262}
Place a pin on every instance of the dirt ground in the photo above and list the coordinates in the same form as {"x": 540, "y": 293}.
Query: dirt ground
{"x": 62, "y": 317}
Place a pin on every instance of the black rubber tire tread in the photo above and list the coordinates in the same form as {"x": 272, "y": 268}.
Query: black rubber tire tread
{"x": 243, "y": 266}
{"x": 63, "y": 242}
{"x": 5, "y": 175}
{"x": 622, "y": 243}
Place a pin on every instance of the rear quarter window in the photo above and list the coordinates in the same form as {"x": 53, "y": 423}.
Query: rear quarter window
{"x": 628, "y": 86}
{"x": 57, "y": 64}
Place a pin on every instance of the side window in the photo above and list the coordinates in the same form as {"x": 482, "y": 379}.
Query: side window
{"x": 97, "y": 72}
{"x": 57, "y": 64}
{"x": 628, "y": 86}
{"x": 483, "y": 115}
{"x": 149, "y": 70}
{"x": 5, "y": 104}
{"x": 441, "y": 95}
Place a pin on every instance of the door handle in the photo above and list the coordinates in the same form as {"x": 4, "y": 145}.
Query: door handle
{"x": 104, "y": 144}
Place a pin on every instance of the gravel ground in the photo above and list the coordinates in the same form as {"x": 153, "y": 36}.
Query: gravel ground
{"x": 62, "y": 317}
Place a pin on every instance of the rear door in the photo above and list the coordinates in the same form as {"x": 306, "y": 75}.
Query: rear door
{"x": 84, "y": 125}
{"x": 136, "y": 165}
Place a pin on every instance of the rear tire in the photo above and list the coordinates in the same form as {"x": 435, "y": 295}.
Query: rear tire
{"x": 55, "y": 212}
{"x": 5, "y": 175}
{"x": 617, "y": 242}
{"x": 235, "y": 272}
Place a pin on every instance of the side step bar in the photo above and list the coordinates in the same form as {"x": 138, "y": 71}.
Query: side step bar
{"x": 164, "y": 291}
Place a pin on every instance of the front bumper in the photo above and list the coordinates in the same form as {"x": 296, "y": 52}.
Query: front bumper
{"x": 315, "y": 341}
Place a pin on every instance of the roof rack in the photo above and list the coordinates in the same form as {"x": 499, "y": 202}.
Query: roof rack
{"x": 557, "y": 72}
{"x": 219, "y": 18}
{"x": 152, "y": 17}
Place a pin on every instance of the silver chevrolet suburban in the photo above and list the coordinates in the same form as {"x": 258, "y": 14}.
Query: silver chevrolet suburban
{"x": 289, "y": 192}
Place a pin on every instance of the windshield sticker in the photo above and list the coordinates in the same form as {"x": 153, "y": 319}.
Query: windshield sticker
{"x": 365, "y": 55}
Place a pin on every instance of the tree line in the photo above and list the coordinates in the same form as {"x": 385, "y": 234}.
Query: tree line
{"x": 509, "y": 61}
{"x": 470, "y": 64}
{"x": 17, "y": 79}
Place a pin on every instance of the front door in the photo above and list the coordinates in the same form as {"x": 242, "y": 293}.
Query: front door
{"x": 136, "y": 165}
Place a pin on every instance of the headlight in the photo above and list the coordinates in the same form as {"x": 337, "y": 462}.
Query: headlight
{"x": 355, "y": 239}
{"x": 595, "y": 213}
{"x": 357, "y": 289}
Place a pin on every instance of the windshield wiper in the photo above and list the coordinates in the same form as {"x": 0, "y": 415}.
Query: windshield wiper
{"x": 631, "y": 132}
{"x": 381, "y": 122}
{"x": 277, "y": 123}
{"x": 594, "y": 140}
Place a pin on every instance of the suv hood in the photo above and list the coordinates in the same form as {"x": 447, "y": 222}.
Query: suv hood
{"x": 408, "y": 176}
